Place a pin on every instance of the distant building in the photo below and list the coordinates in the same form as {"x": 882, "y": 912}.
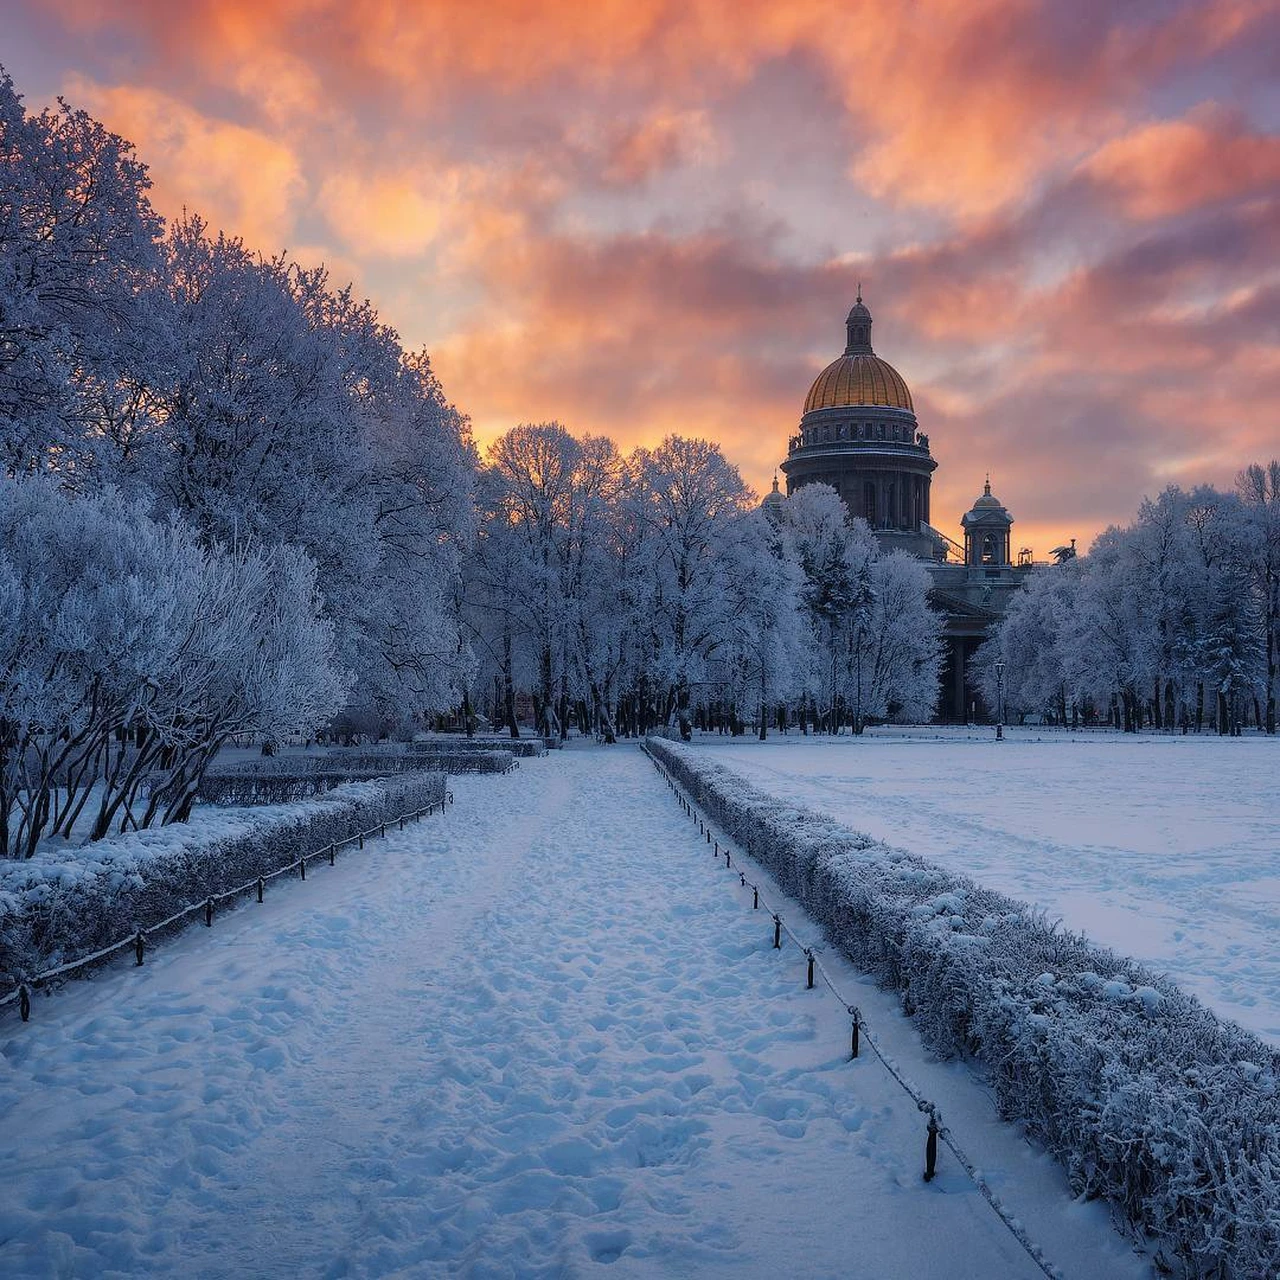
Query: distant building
{"x": 859, "y": 434}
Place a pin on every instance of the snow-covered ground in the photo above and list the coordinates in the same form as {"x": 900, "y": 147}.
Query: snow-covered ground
{"x": 539, "y": 1036}
{"x": 1166, "y": 848}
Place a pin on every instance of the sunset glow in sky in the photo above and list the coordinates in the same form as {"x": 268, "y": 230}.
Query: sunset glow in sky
{"x": 650, "y": 216}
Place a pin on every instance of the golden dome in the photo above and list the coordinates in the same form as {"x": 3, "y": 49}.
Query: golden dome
{"x": 858, "y": 379}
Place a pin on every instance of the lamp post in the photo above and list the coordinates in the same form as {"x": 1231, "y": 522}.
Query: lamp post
{"x": 999, "y": 699}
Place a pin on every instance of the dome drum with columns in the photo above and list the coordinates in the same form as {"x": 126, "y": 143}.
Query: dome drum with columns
{"x": 859, "y": 434}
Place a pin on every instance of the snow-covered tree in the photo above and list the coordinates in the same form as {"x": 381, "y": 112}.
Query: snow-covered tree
{"x": 82, "y": 325}
{"x": 876, "y": 641}
{"x": 1030, "y": 641}
{"x": 769, "y": 649}
{"x": 1259, "y": 491}
{"x": 693, "y": 505}
{"x": 130, "y": 651}
{"x": 1167, "y": 621}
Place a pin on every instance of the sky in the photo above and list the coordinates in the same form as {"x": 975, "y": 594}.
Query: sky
{"x": 645, "y": 217}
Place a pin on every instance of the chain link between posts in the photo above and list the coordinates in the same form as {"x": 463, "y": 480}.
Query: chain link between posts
{"x": 936, "y": 1130}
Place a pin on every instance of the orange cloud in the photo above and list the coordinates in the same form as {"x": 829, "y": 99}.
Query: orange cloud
{"x": 1169, "y": 166}
{"x": 664, "y": 140}
{"x": 958, "y": 105}
{"x": 391, "y": 215}
{"x": 647, "y": 216}
{"x": 241, "y": 180}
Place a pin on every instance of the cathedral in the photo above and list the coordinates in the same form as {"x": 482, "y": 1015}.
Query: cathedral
{"x": 859, "y": 434}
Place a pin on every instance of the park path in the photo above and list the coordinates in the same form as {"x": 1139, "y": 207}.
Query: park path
{"x": 539, "y": 1036}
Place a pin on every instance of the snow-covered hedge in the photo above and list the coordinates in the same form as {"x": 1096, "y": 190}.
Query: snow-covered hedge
{"x": 284, "y": 779}
{"x": 1140, "y": 1091}
{"x": 278, "y": 786}
{"x": 56, "y": 907}
{"x": 450, "y": 758}
{"x": 522, "y": 747}
{"x": 472, "y": 761}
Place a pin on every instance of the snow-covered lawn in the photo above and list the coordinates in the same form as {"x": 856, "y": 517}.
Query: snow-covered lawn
{"x": 543, "y": 1034}
{"x": 1167, "y": 848}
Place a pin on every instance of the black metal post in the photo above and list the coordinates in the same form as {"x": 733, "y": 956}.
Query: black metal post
{"x": 777, "y": 933}
{"x": 931, "y": 1149}
{"x": 139, "y": 947}
{"x": 262, "y": 884}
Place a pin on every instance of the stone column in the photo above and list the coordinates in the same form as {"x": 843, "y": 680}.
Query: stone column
{"x": 957, "y": 679}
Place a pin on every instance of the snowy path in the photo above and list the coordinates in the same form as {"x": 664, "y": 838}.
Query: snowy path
{"x": 537, "y": 1037}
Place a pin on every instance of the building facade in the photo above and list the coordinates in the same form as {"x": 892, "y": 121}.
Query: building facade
{"x": 859, "y": 434}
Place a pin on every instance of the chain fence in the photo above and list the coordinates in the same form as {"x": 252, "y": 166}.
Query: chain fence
{"x": 140, "y": 939}
{"x": 860, "y": 1035}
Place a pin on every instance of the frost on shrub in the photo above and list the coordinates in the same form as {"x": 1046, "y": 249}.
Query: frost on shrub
{"x": 53, "y": 909}
{"x": 1140, "y": 1091}
{"x": 130, "y": 652}
{"x": 282, "y": 779}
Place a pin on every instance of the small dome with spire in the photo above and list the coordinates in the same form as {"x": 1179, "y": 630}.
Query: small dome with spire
{"x": 988, "y": 502}
{"x": 858, "y": 328}
{"x": 772, "y": 504}
{"x": 986, "y": 528}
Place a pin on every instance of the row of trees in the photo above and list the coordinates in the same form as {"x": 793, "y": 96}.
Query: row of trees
{"x": 651, "y": 589}
{"x": 1173, "y": 621}
{"x": 233, "y": 502}
{"x": 185, "y": 420}
{"x": 244, "y": 395}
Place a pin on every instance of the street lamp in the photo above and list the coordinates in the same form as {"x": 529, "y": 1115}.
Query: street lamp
{"x": 999, "y": 699}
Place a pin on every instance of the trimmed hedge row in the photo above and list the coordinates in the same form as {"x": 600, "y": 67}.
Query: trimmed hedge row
{"x": 247, "y": 789}
{"x": 1134, "y": 1086}
{"x": 55, "y": 911}
{"x": 471, "y": 761}
{"x": 521, "y": 747}
{"x": 292, "y": 778}
{"x": 450, "y": 758}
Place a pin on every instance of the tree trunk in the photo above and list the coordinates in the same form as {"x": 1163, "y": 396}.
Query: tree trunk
{"x": 1271, "y": 680}
{"x": 508, "y": 685}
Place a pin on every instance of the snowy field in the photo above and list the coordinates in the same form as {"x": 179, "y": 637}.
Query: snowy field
{"x": 1167, "y": 849}
{"x": 541, "y": 1036}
